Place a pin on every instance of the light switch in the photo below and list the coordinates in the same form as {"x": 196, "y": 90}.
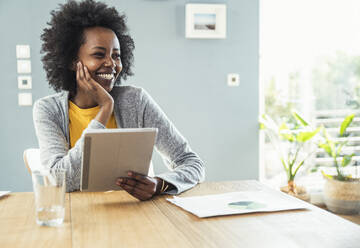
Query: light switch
{"x": 233, "y": 79}
{"x": 24, "y": 82}
{"x": 22, "y": 51}
{"x": 25, "y": 99}
{"x": 23, "y": 66}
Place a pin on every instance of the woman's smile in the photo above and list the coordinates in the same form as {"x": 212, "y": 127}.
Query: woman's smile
{"x": 105, "y": 78}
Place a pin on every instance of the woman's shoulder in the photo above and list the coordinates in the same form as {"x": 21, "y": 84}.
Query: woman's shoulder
{"x": 128, "y": 93}
{"x": 51, "y": 102}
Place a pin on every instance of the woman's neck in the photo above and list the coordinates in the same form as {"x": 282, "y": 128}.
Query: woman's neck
{"x": 83, "y": 101}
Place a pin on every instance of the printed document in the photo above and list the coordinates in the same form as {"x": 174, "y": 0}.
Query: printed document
{"x": 2, "y": 193}
{"x": 237, "y": 203}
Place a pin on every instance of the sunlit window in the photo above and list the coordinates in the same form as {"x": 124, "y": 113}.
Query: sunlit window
{"x": 310, "y": 62}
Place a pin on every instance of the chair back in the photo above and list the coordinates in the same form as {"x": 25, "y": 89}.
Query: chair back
{"x": 32, "y": 159}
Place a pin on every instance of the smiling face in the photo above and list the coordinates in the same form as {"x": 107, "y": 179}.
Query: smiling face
{"x": 100, "y": 53}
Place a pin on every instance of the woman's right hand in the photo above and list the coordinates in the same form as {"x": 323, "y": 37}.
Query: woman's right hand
{"x": 87, "y": 85}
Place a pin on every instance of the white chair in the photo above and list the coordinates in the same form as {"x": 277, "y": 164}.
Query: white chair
{"x": 32, "y": 159}
{"x": 33, "y": 163}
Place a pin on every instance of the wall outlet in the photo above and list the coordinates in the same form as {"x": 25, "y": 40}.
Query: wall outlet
{"x": 233, "y": 79}
{"x": 24, "y": 82}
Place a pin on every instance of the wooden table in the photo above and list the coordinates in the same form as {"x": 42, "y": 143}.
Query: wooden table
{"x": 116, "y": 219}
{"x": 352, "y": 218}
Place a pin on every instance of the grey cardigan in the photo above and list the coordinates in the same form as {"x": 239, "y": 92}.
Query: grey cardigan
{"x": 133, "y": 108}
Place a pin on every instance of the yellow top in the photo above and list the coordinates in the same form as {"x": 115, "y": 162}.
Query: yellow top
{"x": 79, "y": 119}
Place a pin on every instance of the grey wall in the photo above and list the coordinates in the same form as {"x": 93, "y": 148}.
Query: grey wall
{"x": 186, "y": 77}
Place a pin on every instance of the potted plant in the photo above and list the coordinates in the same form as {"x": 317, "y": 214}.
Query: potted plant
{"x": 290, "y": 140}
{"x": 341, "y": 191}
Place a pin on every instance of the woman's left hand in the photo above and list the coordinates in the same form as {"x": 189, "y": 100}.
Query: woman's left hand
{"x": 140, "y": 186}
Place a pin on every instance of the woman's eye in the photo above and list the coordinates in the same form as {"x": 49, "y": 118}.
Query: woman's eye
{"x": 116, "y": 55}
{"x": 99, "y": 55}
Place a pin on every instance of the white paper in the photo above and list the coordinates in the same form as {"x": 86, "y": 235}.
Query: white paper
{"x": 237, "y": 203}
{"x": 2, "y": 193}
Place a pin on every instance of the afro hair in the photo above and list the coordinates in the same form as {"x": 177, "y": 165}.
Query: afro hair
{"x": 62, "y": 40}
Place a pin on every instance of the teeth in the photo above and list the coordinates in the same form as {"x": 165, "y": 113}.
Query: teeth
{"x": 106, "y": 76}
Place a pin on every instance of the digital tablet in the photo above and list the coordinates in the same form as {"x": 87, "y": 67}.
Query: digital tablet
{"x": 111, "y": 153}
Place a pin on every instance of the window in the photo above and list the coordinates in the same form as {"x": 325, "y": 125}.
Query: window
{"x": 309, "y": 61}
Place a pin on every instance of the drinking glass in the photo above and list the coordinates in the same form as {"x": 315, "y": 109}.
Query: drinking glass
{"x": 49, "y": 192}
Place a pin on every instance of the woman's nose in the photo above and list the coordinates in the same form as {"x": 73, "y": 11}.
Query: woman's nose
{"x": 110, "y": 62}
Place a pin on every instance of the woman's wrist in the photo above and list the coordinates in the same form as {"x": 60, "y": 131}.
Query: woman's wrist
{"x": 105, "y": 113}
{"x": 109, "y": 103}
{"x": 161, "y": 186}
{"x": 159, "y": 183}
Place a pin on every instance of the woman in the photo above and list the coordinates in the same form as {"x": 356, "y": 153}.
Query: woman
{"x": 86, "y": 52}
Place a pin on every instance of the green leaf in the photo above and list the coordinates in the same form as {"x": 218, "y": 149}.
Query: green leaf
{"x": 315, "y": 169}
{"x": 285, "y": 167}
{"x": 333, "y": 149}
{"x": 283, "y": 126}
{"x": 285, "y": 133}
{"x": 298, "y": 167}
{"x": 326, "y": 175}
{"x": 305, "y": 136}
{"x": 330, "y": 149}
{"x": 344, "y": 125}
{"x": 287, "y": 136}
{"x": 326, "y": 135}
{"x": 346, "y": 160}
{"x": 326, "y": 148}
{"x": 262, "y": 122}
{"x": 298, "y": 118}
{"x": 267, "y": 123}
{"x": 262, "y": 126}
{"x": 340, "y": 147}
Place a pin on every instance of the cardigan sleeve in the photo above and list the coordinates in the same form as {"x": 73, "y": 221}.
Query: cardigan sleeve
{"x": 54, "y": 146}
{"x": 186, "y": 168}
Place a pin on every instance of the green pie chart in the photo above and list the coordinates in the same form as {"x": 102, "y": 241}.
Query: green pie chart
{"x": 251, "y": 205}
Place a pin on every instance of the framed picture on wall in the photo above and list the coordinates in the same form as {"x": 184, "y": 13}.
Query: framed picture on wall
{"x": 205, "y": 21}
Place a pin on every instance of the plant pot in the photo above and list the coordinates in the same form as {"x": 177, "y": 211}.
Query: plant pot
{"x": 342, "y": 197}
{"x": 300, "y": 192}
